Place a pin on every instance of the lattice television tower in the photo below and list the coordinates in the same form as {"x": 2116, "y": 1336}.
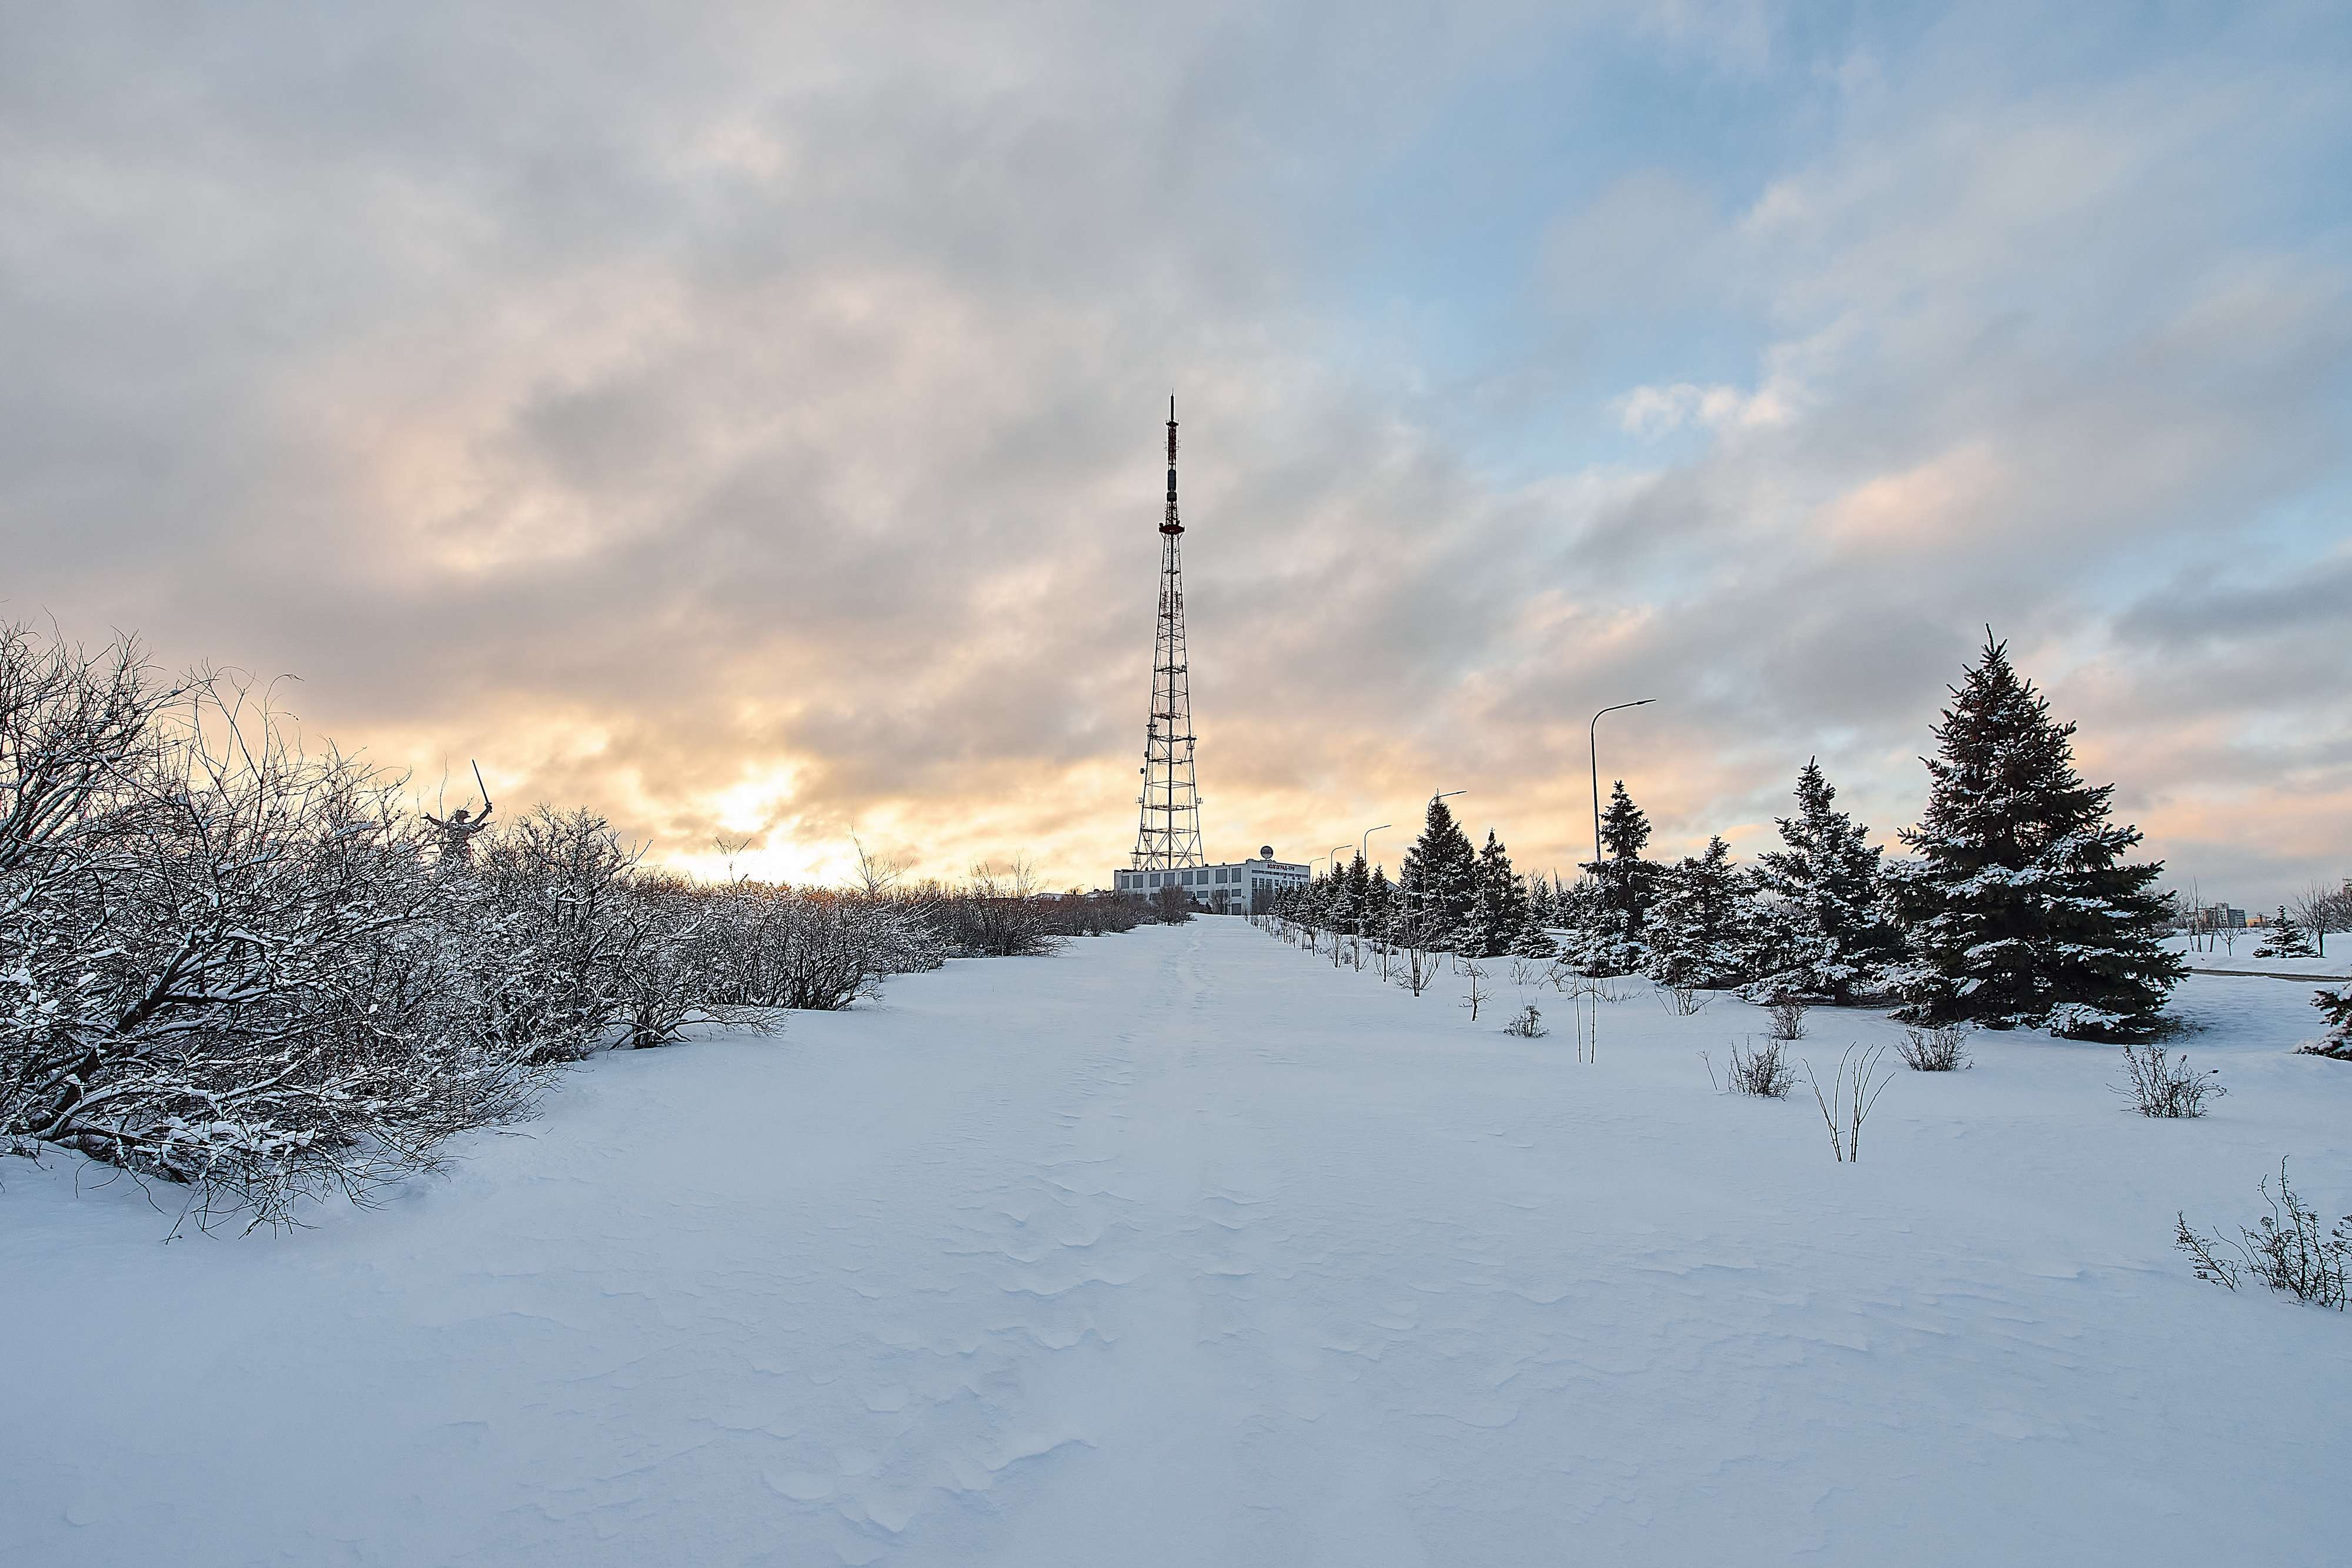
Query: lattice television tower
{"x": 1167, "y": 832}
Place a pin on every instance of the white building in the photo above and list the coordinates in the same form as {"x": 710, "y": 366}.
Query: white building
{"x": 1238, "y": 887}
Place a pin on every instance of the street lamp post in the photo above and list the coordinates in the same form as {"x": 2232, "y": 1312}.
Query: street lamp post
{"x": 1592, "y": 735}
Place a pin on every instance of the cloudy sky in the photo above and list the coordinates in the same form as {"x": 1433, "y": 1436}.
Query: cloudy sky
{"x": 745, "y": 420}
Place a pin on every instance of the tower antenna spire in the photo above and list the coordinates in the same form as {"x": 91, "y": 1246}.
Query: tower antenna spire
{"x": 1168, "y": 827}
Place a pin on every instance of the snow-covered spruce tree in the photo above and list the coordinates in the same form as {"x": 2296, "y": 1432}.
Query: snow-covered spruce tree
{"x": 1532, "y": 940}
{"x": 1699, "y": 928}
{"x": 1829, "y": 939}
{"x": 1611, "y": 905}
{"x": 2285, "y": 940}
{"x": 1356, "y": 892}
{"x": 1543, "y": 904}
{"x": 2336, "y": 1002}
{"x": 1440, "y": 880}
{"x": 1380, "y": 902}
{"x": 2019, "y": 909}
{"x": 1498, "y": 920}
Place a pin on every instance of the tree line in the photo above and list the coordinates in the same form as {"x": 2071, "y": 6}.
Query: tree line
{"x": 2017, "y": 904}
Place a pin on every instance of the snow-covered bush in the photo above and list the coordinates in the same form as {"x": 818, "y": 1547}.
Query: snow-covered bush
{"x": 1788, "y": 1016}
{"x": 1527, "y": 1023}
{"x": 2162, "y": 1085}
{"x": 810, "y": 949}
{"x": 2286, "y": 1249}
{"x": 223, "y": 966}
{"x": 546, "y": 924}
{"x": 669, "y": 971}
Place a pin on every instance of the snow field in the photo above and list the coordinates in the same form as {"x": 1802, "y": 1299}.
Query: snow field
{"x": 1183, "y": 1247}
{"x": 2335, "y": 965}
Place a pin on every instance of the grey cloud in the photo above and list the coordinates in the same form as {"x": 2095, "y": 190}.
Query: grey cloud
{"x": 2204, "y": 608}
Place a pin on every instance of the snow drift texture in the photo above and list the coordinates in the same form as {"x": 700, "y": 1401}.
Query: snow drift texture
{"x": 1183, "y": 1247}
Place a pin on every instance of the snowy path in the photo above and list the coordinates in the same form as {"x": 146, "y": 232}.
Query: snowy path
{"x": 1181, "y": 1248}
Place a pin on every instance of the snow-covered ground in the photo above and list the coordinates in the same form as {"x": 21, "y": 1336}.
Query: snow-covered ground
{"x": 1181, "y": 1248}
{"x": 2239, "y": 957}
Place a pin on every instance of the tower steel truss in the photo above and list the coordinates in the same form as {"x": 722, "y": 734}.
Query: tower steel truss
{"x": 1168, "y": 829}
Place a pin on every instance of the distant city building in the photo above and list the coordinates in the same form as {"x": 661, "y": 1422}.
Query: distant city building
{"x": 1240, "y": 887}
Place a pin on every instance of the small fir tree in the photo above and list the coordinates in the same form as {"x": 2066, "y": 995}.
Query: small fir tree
{"x": 1830, "y": 938}
{"x": 1697, "y": 929}
{"x": 1532, "y": 941}
{"x": 1380, "y": 902}
{"x": 1611, "y": 904}
{"x": 2285, "y": 940}
{"x": 2019, "y": 908}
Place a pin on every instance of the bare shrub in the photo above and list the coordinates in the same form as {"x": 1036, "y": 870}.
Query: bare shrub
{"x": 2320, "y": 909}
{"x": 1856, "y": 1089}
{"x": 1684, "y": 1001}
{"x": 2166, "y": 1086}
{"x": 1475, "y": 996}
{"x": 1788, "y": 1016}
{"x": 998, "y": 915}
{"x": 1760, "y": 1069}
{"x": 1418, "y": 967}
{"x": 542, "y": 922}
{"x": 2286, "y": 1251}
{"x": 1174, "y": 907}
{"x": 1527, "y": 1023}
{"x": 662, "y": 976}
{"x": 766, "y": 946}
{"x": 1943, "y": 1048}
